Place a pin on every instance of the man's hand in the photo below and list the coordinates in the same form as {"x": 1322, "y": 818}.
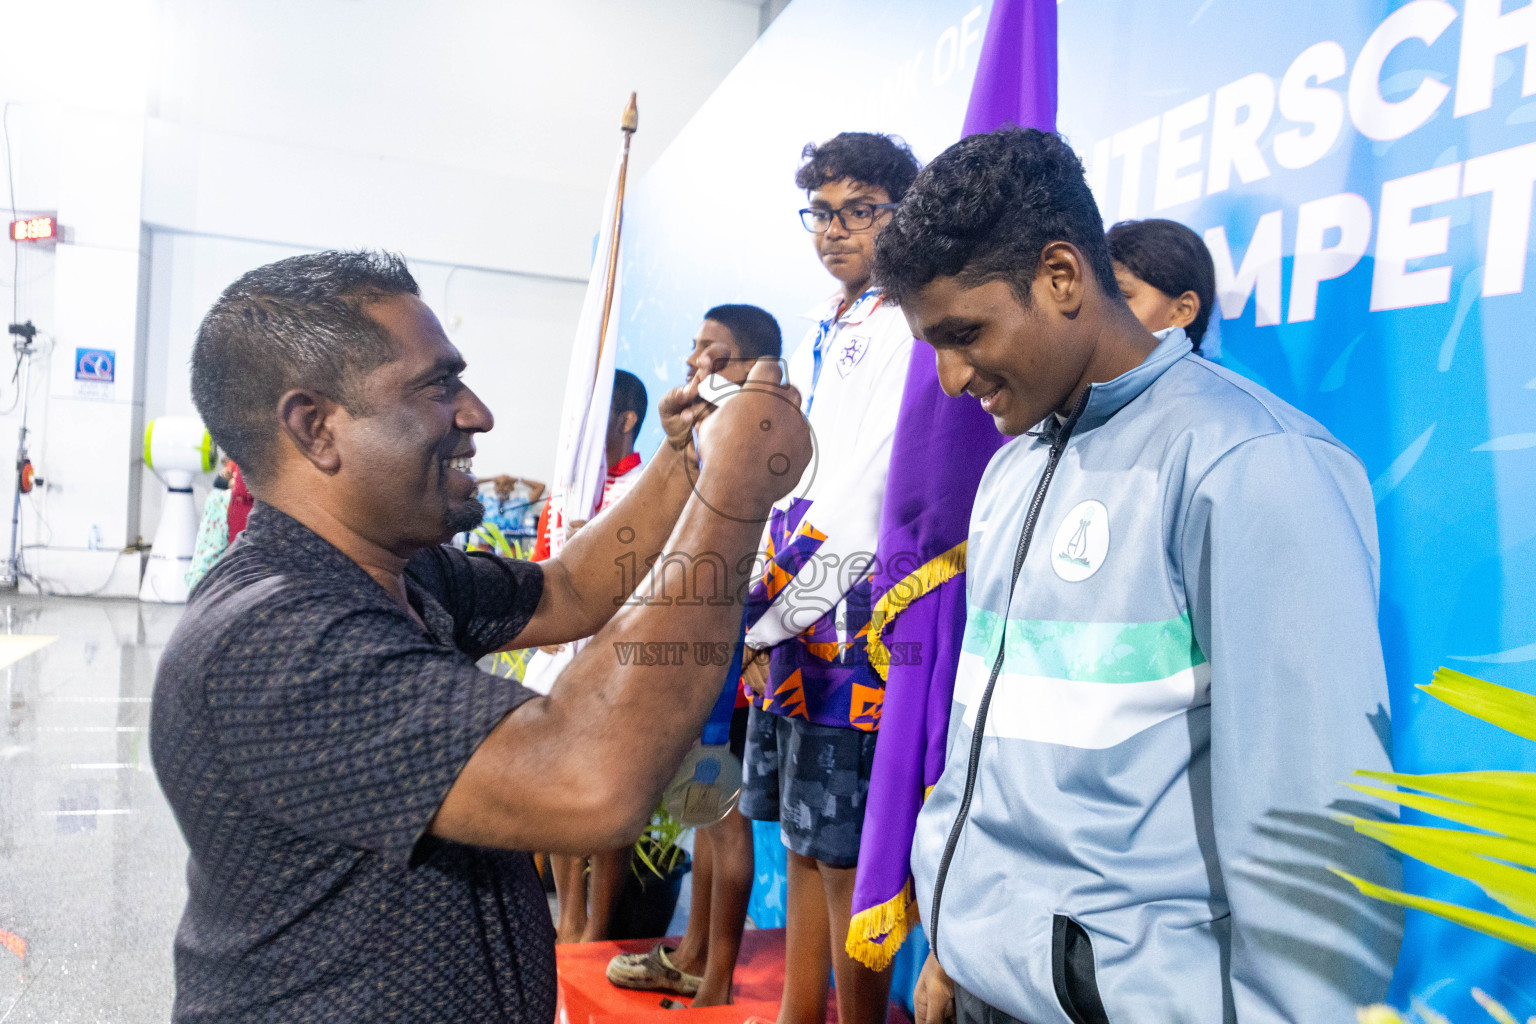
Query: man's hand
{"x": 680, "y": 409}
{"x": 754, "y": 671}
{"x": 755, "y": 446}
{"x": 933, "y": 1000}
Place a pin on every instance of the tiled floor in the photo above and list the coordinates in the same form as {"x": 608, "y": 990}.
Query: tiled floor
{"x": 91, "y": 862}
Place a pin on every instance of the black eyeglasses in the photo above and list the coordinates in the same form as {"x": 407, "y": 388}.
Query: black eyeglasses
{"x": 853, "y": 217}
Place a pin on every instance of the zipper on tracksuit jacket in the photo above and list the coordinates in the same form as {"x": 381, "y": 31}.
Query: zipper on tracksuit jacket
{"x": 1058, "y": 445}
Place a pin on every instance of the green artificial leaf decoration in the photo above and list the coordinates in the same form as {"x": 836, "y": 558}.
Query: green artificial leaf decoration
{"x": 1497, "y": 705}
{"x": 1513, "y": 932}
{"x": 490, "y": 534}
{"x": 1512, "y": 886}
{"x": 1500, "y": 822}
{"x": 1501, "y": 804}
{"x": 1500, "y": 791}
{"x": 1514, "y": 851}
{"x": 659, "y": 847}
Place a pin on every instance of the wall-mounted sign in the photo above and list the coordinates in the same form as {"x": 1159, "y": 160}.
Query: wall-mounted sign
{"x": 96, "y": 364}
{"x": 95, "y": 373}
{"x": 35, "y": 229}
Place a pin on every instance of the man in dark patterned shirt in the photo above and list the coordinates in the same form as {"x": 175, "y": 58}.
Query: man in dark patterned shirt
{"x": 350, "y": 785}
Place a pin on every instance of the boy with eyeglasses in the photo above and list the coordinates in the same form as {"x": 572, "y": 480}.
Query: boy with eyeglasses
{"x": 811, "y": 735}
{"x": 703, "y": 963}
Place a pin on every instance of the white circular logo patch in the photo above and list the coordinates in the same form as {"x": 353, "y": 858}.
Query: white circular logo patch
{"x": 1082, "y": 541}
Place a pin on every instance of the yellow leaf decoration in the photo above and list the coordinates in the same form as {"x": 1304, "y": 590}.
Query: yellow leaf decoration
{"x": 1497, "y": 705}
{"x": 1512, "y": 932}
{"x": 1443, "y": 848}
{"x": 1502, "y": 791}
{"x": 1500, "y": 857}
{"x": 1502, "y": 822}
{"x": 1514, "y": 851}
{"x": 1494, "y": 1007}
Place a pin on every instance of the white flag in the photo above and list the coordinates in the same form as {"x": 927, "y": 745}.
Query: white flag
{"x": 581, "y": 464}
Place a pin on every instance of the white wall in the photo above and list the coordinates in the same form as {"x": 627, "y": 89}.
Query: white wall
{"x": 514, "y": 331}
{"x": 83, "y": 161}
{"x": 186, "y": 141}
{"x": 462, "y": 131}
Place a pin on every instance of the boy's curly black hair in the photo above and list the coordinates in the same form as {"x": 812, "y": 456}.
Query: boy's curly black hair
{"x": 985, "y": 208}
{"x": 883, "y": 161}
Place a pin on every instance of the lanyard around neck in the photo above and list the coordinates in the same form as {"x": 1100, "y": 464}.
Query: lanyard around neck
{"x": 824, "y": 335}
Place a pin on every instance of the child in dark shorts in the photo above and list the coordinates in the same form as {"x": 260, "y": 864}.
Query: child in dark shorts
{"x": 703, "y": 963}
{"x": 811, "y": 739}
{"x": 812, "y": 779}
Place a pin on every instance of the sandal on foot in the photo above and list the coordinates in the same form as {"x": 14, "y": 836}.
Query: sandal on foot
{"x": 653, "y": 970}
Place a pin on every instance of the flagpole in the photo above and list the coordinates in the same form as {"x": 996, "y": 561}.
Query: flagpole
{"x": 629, "y": 124}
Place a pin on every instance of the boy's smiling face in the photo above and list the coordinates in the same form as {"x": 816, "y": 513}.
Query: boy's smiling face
{"x": 848, "y": 255}
{"x": 1020, "y": 362}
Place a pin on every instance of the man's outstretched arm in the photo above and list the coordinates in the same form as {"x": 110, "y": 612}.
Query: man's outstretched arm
{"x": 581, "y": 769}
{"x": 597, "y": 568}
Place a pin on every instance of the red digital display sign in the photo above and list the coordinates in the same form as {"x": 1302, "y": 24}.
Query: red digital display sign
{"x": 34, "y": 229}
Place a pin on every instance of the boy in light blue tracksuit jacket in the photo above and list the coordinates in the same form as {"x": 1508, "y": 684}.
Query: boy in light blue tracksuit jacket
{"x": 1171, "y": 645}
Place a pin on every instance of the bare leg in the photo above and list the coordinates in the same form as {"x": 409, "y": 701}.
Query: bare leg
{"x": 694, "y": 946}
{"x": 863, "y": 995}
{"x": 807, "y": 954}
{"x": 571, "y": 887}
{"x": 608, "y": 871}
{"x": 731, "y": 843}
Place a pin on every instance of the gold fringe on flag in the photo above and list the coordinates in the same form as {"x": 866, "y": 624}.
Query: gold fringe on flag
{"x": 876, "y": 935}
{"x": 897, "y": 599}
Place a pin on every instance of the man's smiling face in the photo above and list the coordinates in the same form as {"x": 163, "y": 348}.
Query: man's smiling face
{"x": 1020, "y": 362}
{"x": 406, "y": 454}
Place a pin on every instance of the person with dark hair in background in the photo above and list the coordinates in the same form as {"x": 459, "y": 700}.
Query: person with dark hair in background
{"x": 813, "y": 726}
{"x": 213, "y": 525}
{"x": 626, "y": 415}
{"x": 223, "y": 520}
{"x": 353, "y": 790}
{"x": 748, "y": 333}
{"x": 703, "y": 964}
{"x": 1166, "y": 274}
{"x": 1171, "y": 656}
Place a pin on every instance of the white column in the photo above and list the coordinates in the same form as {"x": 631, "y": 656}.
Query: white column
{"x": 88, "y": 435}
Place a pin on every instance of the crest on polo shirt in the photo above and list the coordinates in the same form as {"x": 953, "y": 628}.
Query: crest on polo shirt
{"x": 850, "y": 351}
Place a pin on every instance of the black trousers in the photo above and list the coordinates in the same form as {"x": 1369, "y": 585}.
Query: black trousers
{"x": 971, "y": 1010}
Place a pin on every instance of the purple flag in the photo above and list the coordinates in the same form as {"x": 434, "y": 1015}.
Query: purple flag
{"x": 1016, "y": 78}
{"x": 942, "y": 446}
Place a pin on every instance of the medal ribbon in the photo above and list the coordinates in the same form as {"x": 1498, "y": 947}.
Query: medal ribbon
{"x": 717, "y": 731}
{"x": 824, "y": 334}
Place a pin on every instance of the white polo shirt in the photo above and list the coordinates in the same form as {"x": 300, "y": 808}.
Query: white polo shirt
{"x": 853, "y": 402}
